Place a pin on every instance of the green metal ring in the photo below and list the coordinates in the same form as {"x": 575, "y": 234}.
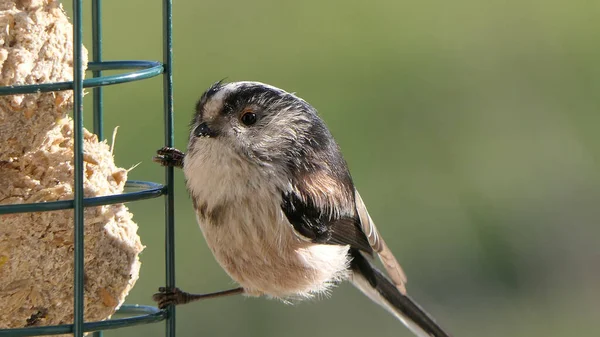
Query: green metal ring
{"x": 148, "y": 315}
{"x": 141, "y": 190}
{"x": 147, "y": 69}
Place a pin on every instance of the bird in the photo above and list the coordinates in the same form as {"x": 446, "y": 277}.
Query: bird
{"x": 277, "y": 206}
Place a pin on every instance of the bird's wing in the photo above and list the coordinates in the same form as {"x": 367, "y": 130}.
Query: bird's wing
{"x": 329, "y": 210}
{"x": 314, "y": 222}
{"x": 391, "y": 265}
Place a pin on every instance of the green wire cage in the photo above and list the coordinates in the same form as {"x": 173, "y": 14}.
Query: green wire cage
{"x": 133, "y": 70}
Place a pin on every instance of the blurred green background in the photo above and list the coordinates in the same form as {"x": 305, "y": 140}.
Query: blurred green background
{"x": 471, "y": 130}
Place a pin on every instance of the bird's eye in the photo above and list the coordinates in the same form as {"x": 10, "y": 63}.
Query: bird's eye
{"x": 248, "y": 118}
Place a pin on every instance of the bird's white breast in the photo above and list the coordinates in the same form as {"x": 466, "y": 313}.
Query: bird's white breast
{"x": 238, "y": 209}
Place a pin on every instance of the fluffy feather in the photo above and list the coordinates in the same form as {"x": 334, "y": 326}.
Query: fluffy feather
{"x": 277, "y": 205}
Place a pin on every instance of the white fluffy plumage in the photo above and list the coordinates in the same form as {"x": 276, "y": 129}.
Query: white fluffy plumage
{"x": 239, "y": 213}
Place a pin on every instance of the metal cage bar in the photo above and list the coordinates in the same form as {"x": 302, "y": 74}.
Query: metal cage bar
{"x": 137, "y": 190}
{"x": 97, "y": 57}
{"x": 98, "y": 109}
{"x": 146, "y": 70}
{"x": 169, "y": 140}
{"x": 78, "y": 168}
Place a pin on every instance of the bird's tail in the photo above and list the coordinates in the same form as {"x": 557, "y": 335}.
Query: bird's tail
{"x": 380, "y": 290}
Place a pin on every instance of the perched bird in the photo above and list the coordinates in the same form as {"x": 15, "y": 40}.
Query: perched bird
{"x": 277, "y": 206}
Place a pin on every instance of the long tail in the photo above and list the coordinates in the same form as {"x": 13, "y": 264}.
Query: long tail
{"x": 380, "y": 290}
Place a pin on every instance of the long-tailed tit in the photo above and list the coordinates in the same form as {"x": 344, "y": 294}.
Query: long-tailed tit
{"x": 277, "y": 206}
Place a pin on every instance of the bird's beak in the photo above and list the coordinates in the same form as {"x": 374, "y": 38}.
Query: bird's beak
{"x": 203, "y": 130}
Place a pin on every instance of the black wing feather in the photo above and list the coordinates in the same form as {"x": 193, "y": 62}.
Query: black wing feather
{"x": 345, "y": 231}
{"x": 317, "y": 225}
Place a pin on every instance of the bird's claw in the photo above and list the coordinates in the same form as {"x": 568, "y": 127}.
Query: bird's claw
{"x": 165, "y": 297}
{"x": 169, "y": 156}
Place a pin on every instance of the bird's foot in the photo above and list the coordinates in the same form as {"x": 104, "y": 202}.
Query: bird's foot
{"x": 169, "y": 156}
{"x": 165, "y": 297}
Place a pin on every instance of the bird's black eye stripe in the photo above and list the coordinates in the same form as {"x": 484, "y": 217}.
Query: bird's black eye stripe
{"x": 248, "y": 118}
